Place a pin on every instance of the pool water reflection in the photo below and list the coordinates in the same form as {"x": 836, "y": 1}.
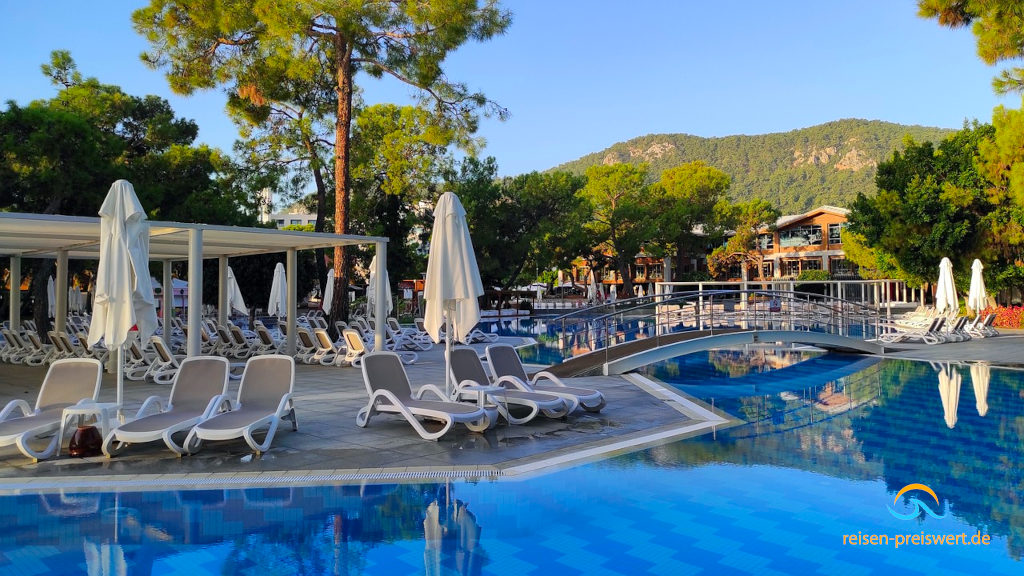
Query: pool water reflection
{"x": 774, "y": 495}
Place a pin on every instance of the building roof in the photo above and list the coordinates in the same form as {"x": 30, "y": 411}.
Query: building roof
{"x": 44, "y": 235}
{"x": 789, "y": 219}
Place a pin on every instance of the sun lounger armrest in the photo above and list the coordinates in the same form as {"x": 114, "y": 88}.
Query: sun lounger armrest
{"x": 219, "y": 403}
{"x": 545, "y": 375}
{"x": 12, "y": 406}
{"x": 514, "y": 383}
{"x": 429, "y": 388}
{"x": 284, "y": 404}
{"x": 148, "y": 404}
{"x": 468, "y": 382}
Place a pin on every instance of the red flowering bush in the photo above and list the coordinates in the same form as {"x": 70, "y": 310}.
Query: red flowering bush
{"x": 1006, "y": 317}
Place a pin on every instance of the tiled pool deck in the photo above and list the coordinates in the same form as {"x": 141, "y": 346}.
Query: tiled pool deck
{"x": 329, "y": 448}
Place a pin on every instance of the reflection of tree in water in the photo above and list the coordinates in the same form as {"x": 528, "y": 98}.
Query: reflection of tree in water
{"x": 976, "y": 467}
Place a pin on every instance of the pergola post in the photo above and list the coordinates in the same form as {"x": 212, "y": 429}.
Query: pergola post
{"x": 222, "y": 291}
{"x": 60, "y": 292}
{"x": 380, "y": 309}
{"x": 195, "y": 291}
{"x": 168, "y": 301}
{"x": 15, "y": 295}
{"x": 292, "y": 301}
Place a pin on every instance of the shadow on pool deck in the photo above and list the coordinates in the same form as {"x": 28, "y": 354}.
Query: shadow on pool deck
{"x": 329, "y": 448}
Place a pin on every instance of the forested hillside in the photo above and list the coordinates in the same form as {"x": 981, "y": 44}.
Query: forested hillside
{"x": 795, "y": 171}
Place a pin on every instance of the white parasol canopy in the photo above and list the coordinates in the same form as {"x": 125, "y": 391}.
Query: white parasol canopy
{"x": 945, "y": 291}
{"x": 592, "y": 288}
{"x": 278, "y": 292}
{"x": 949, "y": 391}
{"x": 371, "y": 290}
{"x": 235, "y": 300}
{"x": 977, "y": 299}
{"x": 980, "y": 375}
{"x": 328, "y": 298}
{"x": 453, "y": 278}
{"x": 124, "y": 291}
{"x": 51, "y": 299}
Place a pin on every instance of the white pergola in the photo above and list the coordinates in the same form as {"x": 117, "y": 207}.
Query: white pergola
{"x": 76, "y": 237}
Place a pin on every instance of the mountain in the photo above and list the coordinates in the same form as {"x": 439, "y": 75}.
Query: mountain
{"x": 795, "y": 171}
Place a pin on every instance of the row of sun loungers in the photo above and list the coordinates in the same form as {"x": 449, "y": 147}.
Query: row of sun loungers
{"x": 198, "y": 405}
{"x": 513, "y": 395}
{"x": 939, "y": 329}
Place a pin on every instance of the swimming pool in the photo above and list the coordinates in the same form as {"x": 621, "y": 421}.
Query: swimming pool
{"x": 816, "y": 461}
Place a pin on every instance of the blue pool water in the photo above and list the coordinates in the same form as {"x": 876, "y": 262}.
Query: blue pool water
{"x": 775, "y": 495}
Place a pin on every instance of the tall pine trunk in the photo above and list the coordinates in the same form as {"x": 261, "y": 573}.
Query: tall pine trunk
{"x": 343, "y": 67}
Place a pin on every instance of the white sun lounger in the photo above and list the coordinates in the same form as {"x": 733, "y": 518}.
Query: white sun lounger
{"x": 199, "y": 389}
{"x": 504, "y": 361}
{"x": 264, "y": 400}
{"x": 390, "y": 392}
{"x": 468, "y": 372}
{"x": 68, "y": 382}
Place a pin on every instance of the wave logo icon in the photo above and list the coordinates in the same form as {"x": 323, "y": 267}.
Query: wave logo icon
{"x": 918, "y": 505}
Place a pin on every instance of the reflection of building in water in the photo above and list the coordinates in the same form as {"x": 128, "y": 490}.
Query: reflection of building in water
{"x": 740, "y": 362}
{"x": 831, "y": 400}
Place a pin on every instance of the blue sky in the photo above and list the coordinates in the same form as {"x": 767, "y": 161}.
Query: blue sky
{"x": 580, "y": 75}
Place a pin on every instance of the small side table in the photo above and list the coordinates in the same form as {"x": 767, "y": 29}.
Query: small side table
{"x": 490, "y": 407}
{"x": 103, "y": 412}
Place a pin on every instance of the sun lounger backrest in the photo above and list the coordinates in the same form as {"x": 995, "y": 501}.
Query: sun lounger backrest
{"x": 323, "y": 339}
{"x": 384, "y": 371}
{"x": 505, "y": 361}
{"x": 466, "y": 365}
{"x": 69, "y": 380}
{"x": 305, "y": 339}
{"x": 237, "y": 336}
{"x": 161, "y": 349}
{"x": 199, "y": 379}
{"x": 265, "y": 381}
{"x": 352, "y": 340}
{"x": 265, "y": 338}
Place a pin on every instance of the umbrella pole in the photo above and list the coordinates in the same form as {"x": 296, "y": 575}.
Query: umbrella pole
{"x": 120, "y": 382}
{"x": 447, "y": 354}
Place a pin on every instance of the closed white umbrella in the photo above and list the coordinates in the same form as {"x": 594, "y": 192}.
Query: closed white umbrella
{"x": 945, "y": 291}
{"x": 977, "y": 299}
{"x": 325, "y": 302}
{"x": 278, "y": 293}
{"x": 613, "y": 293}
{"x": 980, "y": 375}
{"x": 51, "y": 299}
{"x": 371, "y": 290}
{"x": 949, "y": 392}
{"x": 453, "y": 278}
{"x": 592, "y": 288}
{"x": 124, "y": 291}
{"x": 235, "y": 300}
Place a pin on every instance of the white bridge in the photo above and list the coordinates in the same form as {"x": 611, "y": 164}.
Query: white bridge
{"x": 621, "y": 336}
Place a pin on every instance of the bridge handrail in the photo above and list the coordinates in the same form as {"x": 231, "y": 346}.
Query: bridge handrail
{"x": 759, "y": 306}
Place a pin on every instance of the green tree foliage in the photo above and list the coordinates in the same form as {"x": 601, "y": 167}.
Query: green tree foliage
{"x": 997, "y": 26}
{"x": 255, "y": 48}
{"x": 687, "y": 198}
{"x": 622, "y": 213}
{"x": 930, "y": 204}
{"x": 61, "y": 155}
{"x": 796, "y": 171}
{"x": 398, "y": 158}
{"x": 1001, "y": 160}
{"x": 748, "y": 220}
{"x": 521, "y": 224}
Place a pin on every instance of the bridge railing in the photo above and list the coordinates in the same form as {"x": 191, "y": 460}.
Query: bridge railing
{"x": 601, "y": 327}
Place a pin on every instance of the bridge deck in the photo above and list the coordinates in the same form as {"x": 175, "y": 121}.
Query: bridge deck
{"x": 630, "y": 355}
